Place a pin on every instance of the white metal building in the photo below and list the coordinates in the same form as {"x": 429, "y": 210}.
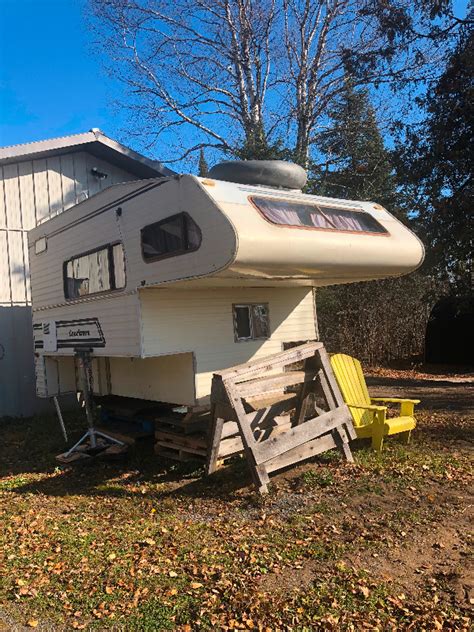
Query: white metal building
{"x": 38, "y": 181}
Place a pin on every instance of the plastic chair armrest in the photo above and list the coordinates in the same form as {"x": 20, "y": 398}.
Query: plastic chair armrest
{"x": 368, "y": 407}
{"x": 395, "y": 400}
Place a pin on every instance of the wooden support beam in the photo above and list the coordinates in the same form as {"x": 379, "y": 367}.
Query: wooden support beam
{"x": 298, "y": 435}
{"x": 216, "y": 435}
{"x": 268, "y": 383}
{"x": 272, "y": 362}
{"x": 301, "y": 453}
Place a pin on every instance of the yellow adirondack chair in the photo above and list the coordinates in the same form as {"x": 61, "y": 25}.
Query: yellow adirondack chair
{"x": 370, "y": 420}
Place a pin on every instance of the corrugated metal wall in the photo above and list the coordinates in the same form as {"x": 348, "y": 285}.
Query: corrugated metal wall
{"x": 31, "y": 192}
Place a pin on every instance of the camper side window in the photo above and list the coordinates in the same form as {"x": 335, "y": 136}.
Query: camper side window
{"x": 251, "y": 322}
{"x": 169, "y": 237}
{"x": 308, "y": 215}
{"x": 100, "y": 270}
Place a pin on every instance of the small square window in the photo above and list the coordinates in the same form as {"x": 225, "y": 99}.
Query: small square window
{"x": 251, "y": 322}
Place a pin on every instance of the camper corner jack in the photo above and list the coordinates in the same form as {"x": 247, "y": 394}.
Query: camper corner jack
{"x": 91, "y": 436}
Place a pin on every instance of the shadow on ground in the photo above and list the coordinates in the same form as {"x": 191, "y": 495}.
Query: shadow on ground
{"x": 434, "y": 394}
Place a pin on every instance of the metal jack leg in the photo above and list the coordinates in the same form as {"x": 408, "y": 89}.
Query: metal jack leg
{"x": 85, "y": 373}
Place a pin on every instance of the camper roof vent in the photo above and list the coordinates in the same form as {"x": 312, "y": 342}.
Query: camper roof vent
{"x": 271, "y": 173}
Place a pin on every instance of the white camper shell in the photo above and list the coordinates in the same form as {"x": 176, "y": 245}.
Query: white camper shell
{"x": 171, "y": 279}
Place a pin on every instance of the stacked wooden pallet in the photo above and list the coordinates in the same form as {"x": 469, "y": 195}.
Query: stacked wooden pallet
{"x": 188, "y": 438}
{"x": 183, "y": 437}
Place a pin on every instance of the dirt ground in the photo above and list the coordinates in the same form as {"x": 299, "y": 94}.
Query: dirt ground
{"x": 436, "y": 392}
{"x": 385, "y": 544}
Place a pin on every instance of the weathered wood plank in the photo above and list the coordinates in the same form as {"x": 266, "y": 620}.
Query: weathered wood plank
{"x": 272, "y": 362}
{"x": 262, "y": 385}
{"x": 264, "y": 401}
{"x": 268, "y": 440}
{"x": 326, "y": 365}
{"x": 217, "y": 422}
{"x": 311, "y": 429}
{"x": 172, "y": 446}
{"x": 259, "y": 473}
{"x": 328, "y": 396}
{"x": 342, "y": 441}
{"x": 232, "y": 445}
{"x": 301, "y": 452}
{"x": 181, "y": 440}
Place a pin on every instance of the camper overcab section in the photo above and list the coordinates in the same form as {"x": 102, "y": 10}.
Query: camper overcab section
{"x": 168, "y": 280}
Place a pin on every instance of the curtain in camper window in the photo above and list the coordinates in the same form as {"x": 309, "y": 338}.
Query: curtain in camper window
{"x": 94, "y": 272}
{"x": 290, "y": 213}
{"x": 319, "y": 220}
{"x": 260, "y": 321}
{"x": 119, "y": 265}
{"x": 281, "y": 214}
{"x": 350, "y": 220}
{"x": 88, "y": 274}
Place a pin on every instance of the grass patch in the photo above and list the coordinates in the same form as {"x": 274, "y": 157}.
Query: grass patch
{"x": 149, "y": 545}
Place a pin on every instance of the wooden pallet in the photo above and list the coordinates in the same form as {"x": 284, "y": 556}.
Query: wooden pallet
{"x": 254, "y": 393}
{"x": 175, "y": 444}
{"x": 183, "y": 437}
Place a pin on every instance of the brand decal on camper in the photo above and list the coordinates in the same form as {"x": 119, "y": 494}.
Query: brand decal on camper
{"x": 79, "y": 332}
{"x": 83, "y": 332}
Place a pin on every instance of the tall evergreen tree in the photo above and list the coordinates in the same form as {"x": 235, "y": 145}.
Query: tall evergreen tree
{"x": 203, "y": 171}
{"x": 436, "y": 167}
{"x": 357, "y": 163}
{"x": 369, "y": 320}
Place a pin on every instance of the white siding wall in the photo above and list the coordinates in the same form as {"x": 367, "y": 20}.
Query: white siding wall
{"x": 118, "y": 317}
{"x": 167, "y": 378}
{"x": 201, "y": 321}
{"x": 30, "y": 192}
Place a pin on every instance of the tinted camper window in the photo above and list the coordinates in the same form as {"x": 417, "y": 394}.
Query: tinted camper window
{"x": 101, "y": 270}
{"x": 289, "y": 213}
{"x": 169, "y": 237}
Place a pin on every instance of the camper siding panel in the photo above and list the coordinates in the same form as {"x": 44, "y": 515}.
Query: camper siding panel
{"x": 117, "y": 317}
{"x": 40, "y": 375}
{"x": 167, "y": 378}
{"x": 180, "y": 195}
{"x": 202, "y": 321}
{"x": 47, "y": 267}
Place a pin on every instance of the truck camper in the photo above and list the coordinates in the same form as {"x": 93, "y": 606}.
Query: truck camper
{"x": 167, "y": 280}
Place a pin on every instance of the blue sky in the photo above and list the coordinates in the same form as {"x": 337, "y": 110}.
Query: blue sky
{"x": 50, "y": 83}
